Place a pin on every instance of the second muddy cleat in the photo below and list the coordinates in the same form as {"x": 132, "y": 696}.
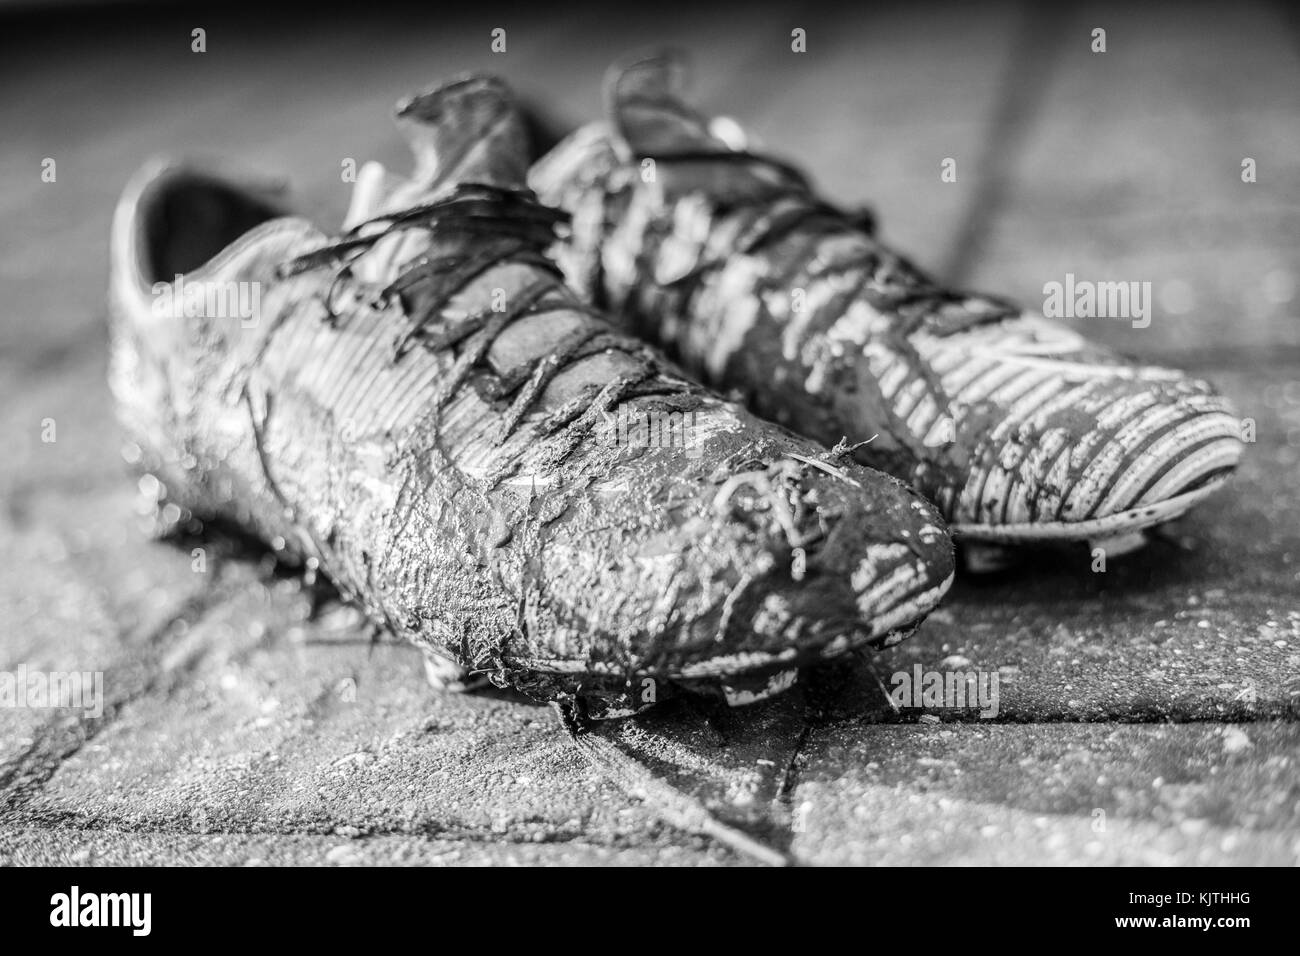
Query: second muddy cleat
{"x": 1017, "y": 428}
{"x": 420, "y": 408}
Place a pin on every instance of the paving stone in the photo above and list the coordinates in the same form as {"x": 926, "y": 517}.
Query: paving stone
{"x": 40, "y": 847}
{"x": 1050, "y": 794}
{"x": 81, "y": 588}
{"x": 260, "y": 721}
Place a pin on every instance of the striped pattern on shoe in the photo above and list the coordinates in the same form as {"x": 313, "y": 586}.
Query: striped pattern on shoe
{"x": 1016, "y": 427}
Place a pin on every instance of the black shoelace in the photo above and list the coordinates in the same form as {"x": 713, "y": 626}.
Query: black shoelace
{"x": 893, "y": 283}
{"x": 510, "y": 226}
{"x": 670, "y": 804}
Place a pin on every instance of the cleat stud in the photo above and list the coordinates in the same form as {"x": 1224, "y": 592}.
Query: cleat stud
{"x": 744, "y": 693}
{"x": 979, "y": 557}
{"x": 1117, "y": 545}
{"x": 445, "y": 675}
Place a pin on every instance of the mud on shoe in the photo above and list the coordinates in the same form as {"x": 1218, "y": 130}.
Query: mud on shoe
{"x": 419, "y": 407}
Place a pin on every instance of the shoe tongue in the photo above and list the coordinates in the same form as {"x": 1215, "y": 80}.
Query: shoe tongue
{"x": 371, "y": 194}
{"x": 466, "y": 131}
{"x": 644, "y": 100}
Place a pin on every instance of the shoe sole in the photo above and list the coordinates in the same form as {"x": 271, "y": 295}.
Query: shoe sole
{"x": 891, "y": 628}
{"x": 1118, "y": 525}
{"x": 740, "y": 679}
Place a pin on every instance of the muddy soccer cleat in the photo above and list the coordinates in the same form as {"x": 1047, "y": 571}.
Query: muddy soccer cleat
{"x": 1018, "y": 429}
{"x": 420, "y": 409}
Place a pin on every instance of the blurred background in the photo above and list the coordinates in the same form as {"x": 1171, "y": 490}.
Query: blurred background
{"x": 1122, "y": 165}
{"x": 229, "y": 710}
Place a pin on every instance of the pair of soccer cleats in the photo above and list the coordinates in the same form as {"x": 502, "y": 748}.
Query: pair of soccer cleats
{"x": 456, "y": 410}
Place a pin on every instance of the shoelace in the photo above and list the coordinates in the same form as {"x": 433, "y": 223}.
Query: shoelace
{"x": 509, "y": 226}
{"x": 671, "y": 805}
{"x": 892, "y": 282}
